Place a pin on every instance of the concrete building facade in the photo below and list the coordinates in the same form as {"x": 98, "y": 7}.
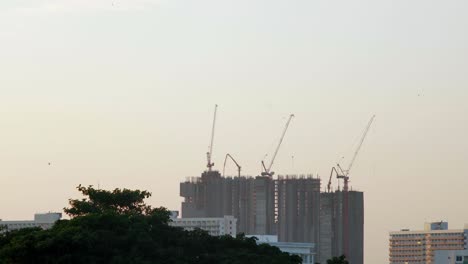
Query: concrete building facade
{"x": 44, "y": 221}
{"x": 250, "y": 200}
{"x": 291, "y": 207}
{"x": 221, "y": 226}
{"x": 334, "y": 226}
{"x": 451, "y": 256}
{"x": 264, "y": 206}
{"x": 421, "y": 247}
{"x": 298, "y": 208}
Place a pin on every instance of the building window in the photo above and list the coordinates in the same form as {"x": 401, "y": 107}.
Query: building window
{"x": 459, "y": 258}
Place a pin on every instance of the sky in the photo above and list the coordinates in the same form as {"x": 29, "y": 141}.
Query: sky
{"x": 121, "y": 94}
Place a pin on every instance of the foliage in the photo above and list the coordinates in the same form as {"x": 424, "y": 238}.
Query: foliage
{"x": 118, "y": 227}
{"x": 338, "y": 260}
{"x": 101, "y": 201}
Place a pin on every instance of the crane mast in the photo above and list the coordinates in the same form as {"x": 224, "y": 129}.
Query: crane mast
{"x": 267, "y": 171}
{"x": 235, "y": 162}
{"x": 209, "y": 154}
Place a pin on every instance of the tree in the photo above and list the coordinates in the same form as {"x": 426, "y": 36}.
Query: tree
{"x": 118, "y": 201}
{"x": 118, "y": 227}
{"x": 338, "y": 260}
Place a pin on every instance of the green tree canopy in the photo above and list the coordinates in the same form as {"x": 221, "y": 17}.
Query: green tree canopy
{"x": 118, "y": 227}
{"x": 101, "y": 201}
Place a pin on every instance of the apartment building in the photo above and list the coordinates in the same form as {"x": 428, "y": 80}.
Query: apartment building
{"x": 420, "y": 247}
{"x": 215, "y": 226}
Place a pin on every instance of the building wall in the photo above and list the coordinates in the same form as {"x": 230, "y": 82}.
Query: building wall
{"x": 194, "y": 193}
{"x": 298, "y": 209}
{"x": 333, "y": 224}
{"x": 214, "y": 194}
{"x": 251, "y": 200}
{"x": 420, "y": 246}
{"x": 243, "y": 205}
{"x": 264, "y": 202}
{"x": 356, "y": 228}
{"x": 214, "y": 226}
{"x": 451, "y": 256}
{"x": 44, "y": 221}
{"x": 327, "y": 223}
{"x": 206, "y": 196}
{"x": 436, "y": 226}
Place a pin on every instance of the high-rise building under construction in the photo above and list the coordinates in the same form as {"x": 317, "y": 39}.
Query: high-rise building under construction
{"x": 250, "y": 200}
{"x": 298, "y": 205}
{"x": 341, "y": 232}
{"x": 291, "y": 207}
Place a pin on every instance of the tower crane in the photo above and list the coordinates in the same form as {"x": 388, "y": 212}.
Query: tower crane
{"x": 235, "y": 162}
{"x": 344, "y": 174}
{"x": 209, "y": 154}
{"x": 267, "y": 171}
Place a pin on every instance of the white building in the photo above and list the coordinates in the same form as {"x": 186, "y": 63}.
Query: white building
{"x": 436, "y": 244}
{"x": 226, "y": 225}
{"x": 44, "y": 221}
{"x": 451, "y": 256}
{"x": 304, "y": 250}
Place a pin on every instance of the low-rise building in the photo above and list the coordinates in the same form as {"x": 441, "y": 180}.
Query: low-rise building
{"x": 214, "y": 226}
{"x": 304, "y": 250}
{"x": 44, "y": 221}
{"x": 420, "y": 247}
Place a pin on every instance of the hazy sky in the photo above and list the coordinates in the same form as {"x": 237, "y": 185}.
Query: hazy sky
{"x": 121, "y": 93}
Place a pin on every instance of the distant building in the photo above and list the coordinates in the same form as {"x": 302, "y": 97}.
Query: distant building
{"x": 290, "y": 207}
{"x": 298, "y": 209}
{"x": 340, "y": 231}
{"x": 304, "y": 250}
{"x": 214, "y": 226}
{"x": 433, "y": 245}
{"x": 250, "y": 200}
{"x": 44, "y": 221}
